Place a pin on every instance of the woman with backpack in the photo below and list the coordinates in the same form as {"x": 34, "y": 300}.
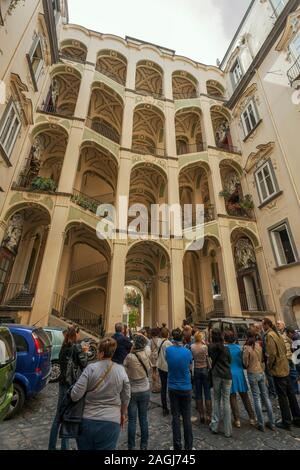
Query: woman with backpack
{"x": 137, "y": 365}
{"x": 105, "y": 388}
{"x": 72, "y": 360}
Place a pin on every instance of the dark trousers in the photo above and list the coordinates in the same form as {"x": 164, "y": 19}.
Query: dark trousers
{"x": 98, "y": 435}
{"x": 56, "y": 422}
{"x": 164, "y": 387}
{"x": 181, "y": 405}
{"x": 287, "y": 400}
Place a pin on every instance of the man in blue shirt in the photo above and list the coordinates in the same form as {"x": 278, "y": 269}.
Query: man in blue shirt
{"x": 179, "y": 361}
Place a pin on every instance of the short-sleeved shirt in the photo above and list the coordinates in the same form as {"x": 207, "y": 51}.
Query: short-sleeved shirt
{"x": 179, "y": 360}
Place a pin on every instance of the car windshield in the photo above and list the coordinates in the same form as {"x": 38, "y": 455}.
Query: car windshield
{"x": 7, "y": 350}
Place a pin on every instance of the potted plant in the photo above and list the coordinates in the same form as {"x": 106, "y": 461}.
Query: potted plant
{"x": 43, "y": 184}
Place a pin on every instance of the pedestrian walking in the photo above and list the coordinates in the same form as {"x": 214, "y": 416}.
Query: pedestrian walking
{"x": 137, "y": 365}
{"x": 124, "y": 344}
{"x": 239, "y": 384}
{"x": 72, "y": 356}
{"x": 105, "y": 409}
{"x": 163, "y": 368}
{"x": 221, "y": 381}
{"x": 179, "y": 360}
{"x": 253, "y": 363}
{"x": 202, "y": 365}
{"x": 154, "y": 346}
{"x": 279, "y": 368}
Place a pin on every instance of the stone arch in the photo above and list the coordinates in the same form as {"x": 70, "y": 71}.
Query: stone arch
{"x": 85, "y": 291}
{"x": 149, "y": 78}
{"x": 188, "y": 128}
{"x": 239, "y": 232}
{"x": 64, "y": 90}
{"x": 185, "y": 85}
{"x": 113, "y": 64}
{"x": 74, "y": 49}
{"x": 215, "y": 89}
{"x": 287, "y": 303}
{"x": 148, "y": 135}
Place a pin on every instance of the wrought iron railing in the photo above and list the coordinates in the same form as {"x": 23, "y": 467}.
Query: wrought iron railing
{"x": 234, "y": 210}
{"x": 191, "y": 148}
{"x": 294, "y": 72}
{"x": 190, "y": 219}
{"x": 113, "y": 76}
{"x": 228, "y": 148}
{"x": 17, "y": 295}
{"x": 254, "y": 302}
{"x": 87, "y": 320}
{"x": 103, "y": 129}
{"x": 157, "y": 96}
{"x": 65, "y": 55}
{"x": 148, "y": 150}
{"x": 90, "y": 272}
{"x": 91, "y": 203}
{"x": 185, "y": 95}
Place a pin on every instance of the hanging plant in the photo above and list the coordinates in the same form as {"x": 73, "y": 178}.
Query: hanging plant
{"x": 247, "y": 203}
{"x": 225, "y": 194}
{"x": 43, "y": 184}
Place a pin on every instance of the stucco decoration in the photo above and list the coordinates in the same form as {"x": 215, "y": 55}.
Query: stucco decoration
{"x": 262, "y": 154}
{"x": 247, "y": 96}
{"x": 244, "y": 254}
{"x": 24, "y": 104}
{"x": 112, "y": 64}
{"x": 292, "y": 27}
{"x": 186, "y": 160}
{"x": 149, "y": 160}
{"x": 13, "y": 233}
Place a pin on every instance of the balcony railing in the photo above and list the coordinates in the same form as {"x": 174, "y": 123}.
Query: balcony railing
{"x": 191, "y": 148}
{"x": 113, "y": 76}
{"x": 235, "y": 210}
{"x": 103, "y": 129}
{"x": 157, "y": 96}
{"x": 91, "y": 203}
{"x": 17, "y": 295}
{"x": 88, "y": 273}
{"x": 148, "y": 150}
{"x": 254, "y": 303}
{"x": 294, "y": 72}
{"x": 209, "y": 215}
{"x": 185, "y": 96}
{"x": 228, "y": 148}
{"x": 65, "y": 55}
{"x": 88, "y": 321}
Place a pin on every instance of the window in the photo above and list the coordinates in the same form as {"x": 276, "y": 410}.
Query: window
{"x": 21, "y": 343}
{"x": 7, "y": 349}
{"x": 278, "y": 6}
{"x": 9, "y": 128}
{"x": 266, "y": 182}
{"x": 283, "y": 245}
{"x": 35, "y": 60}
{"x": 249, "y": 118}
{"x": 236, "y": 73}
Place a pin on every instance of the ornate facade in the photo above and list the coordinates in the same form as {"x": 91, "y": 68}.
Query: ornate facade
{"x": 88, "y": 118}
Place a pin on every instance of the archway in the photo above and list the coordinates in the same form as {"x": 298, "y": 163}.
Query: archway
{"x": 149, "y": 79}
{"x": 133, "y": 309}
{"x": 221, "y": 125}
{"x": 74, "y": 50}
{"x": 215, "y": 89}
{"x": 188, "y": 126}
{"x": 112, "y": 64}
{"x": 237, "y": 204}
{"x": 63, "y": 93}
{"x": 148, "y": 131}
{"x": 185, "y": 86}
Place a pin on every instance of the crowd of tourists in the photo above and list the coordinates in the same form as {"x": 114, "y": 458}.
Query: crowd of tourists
{"x": 212, "y": 367}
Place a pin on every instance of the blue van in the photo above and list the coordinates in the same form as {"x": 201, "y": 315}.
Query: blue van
{"x": 33, "y": 364}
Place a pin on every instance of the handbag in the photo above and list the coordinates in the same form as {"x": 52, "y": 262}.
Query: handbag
{"x": 210, "y": 372}
{"x": 71, "y": 413}
{"x": 73, "y": 370}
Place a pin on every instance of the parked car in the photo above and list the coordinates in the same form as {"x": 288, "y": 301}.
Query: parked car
{"x": 56, "y": 338}
{"x": 7, "y": 370}
{"x": 33, "y": 364}
{"x": 239, "y": 325}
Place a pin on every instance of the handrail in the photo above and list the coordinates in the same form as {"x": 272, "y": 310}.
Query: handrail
{"x": 191, "y": 148}
{"x": 148, "y": 150}
{"x": 88, "y": 272}
{"x": 17, "y": 294}
{"x": 90, "y": 203}
{"x": 158, "y": 96}
{"x": 111, "y": 75}
{"x": 103, "y": 129}
{"x": 185, "y": 95}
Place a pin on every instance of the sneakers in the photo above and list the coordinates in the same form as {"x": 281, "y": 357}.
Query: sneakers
{"x": 270, "y": 426}
{"x": 260, "y": 428}
{"x": 281, "y": 425}
{"x": 237, "y": 424}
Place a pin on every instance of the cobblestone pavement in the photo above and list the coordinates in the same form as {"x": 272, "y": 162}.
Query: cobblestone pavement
{"x": 30, "y": 430}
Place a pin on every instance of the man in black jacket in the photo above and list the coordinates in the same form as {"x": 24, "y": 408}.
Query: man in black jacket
{"x": 124, "y": 344}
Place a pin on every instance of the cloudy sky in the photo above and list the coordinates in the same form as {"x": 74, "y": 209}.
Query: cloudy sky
{"x": 199, "y": 29}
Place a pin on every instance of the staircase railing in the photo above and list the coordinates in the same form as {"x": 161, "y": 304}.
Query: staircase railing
{"x": 17, "y": 295}
{"x": 88, "y": 273}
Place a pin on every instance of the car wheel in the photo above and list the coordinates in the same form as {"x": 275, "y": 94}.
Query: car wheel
{"x": 55, "y": 372}
{"x": 17, "y": 402}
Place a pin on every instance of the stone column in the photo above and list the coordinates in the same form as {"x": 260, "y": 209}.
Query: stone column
{"x": 50, "y": 266}
{"x": 71, "y": 158}
{"x": 131, "y": 72}
{"x": 232, "y": 292}
{"x": 217, "y": 185}
{"x": 177, "y": 283}
{"x": 123, "y": 186}
{"x": 127, "y": 128}
{"x": 3, "y": 226}
{"x": 207, "y": 123}
{"x": 168, "y": 86}
{"x": 84, "y": 95}
{"x": 170, "y": 133}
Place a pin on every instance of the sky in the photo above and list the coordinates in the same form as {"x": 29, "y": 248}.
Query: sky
{"x": 198, "y": 29}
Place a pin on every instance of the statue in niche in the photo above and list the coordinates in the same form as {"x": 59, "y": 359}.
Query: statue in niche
{"x": 231, "y": 181}
{"x": 244, "y": 254}
{"x": 13, "y": 233}
{"x": 223, "y": 130}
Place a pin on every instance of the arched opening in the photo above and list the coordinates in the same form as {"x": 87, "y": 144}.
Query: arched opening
{"x": 81, "y": 287}
{"x": 148, "y": 186}
{"x": 148, "y": 268}
{"x": 188, "y": 126}
{"x": 221, "y": 125}
{"x": 215, "y": 89}
{"x": 237, "y": 204}
{"x": 296, "y": 310}
{"x": 149, "y": 79}
{"x": 113, "y": 65}
{"x": 148, "y": 131}
{"x": 42, "y": 169}
{"x": 63, "y": 93}
{"x": 248, "y": 278}
{"x": 106, "y": 113}
{"x": 21, "y": 255}
{"x": 194, "y": 188}
{"x": 72, "y": 49}
{"x": 96, "y": 178}
{"x": 185, "y": 86}
{"x": 133, "y": 308}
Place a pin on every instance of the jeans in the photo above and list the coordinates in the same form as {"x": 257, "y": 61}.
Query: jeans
{"x": 222, "y": 388}
{"x": 98, "y": 435}
{"x": 181, "y": 405}
{"x": 287, "y": 400}
{"x": 294, "y": 377}
{"x": 271, "y": 384}
{"x": 202, "y": 384}
{"x": 138, "y": 407}
{"x": 56, "y": 424}
{"x": 164, "y": 387}
{"x": 259, "y": 390}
